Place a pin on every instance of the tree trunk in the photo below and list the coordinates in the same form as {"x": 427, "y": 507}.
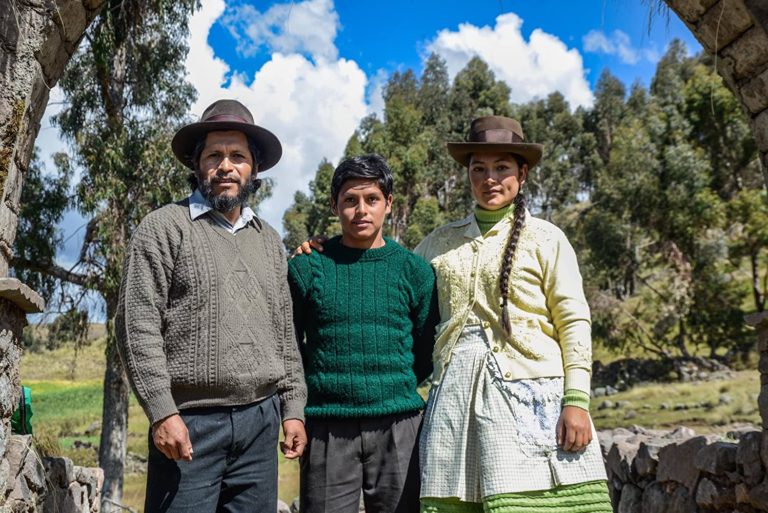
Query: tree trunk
{"x": 114, "y": 423}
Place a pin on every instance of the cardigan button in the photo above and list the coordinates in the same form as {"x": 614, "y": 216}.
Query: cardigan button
{"x": 486, "y": 324}
{"x": 495, "y": 349}
{"x": 507, "y": 375}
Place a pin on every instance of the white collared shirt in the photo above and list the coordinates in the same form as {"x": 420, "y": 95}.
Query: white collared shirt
{"x": 198, "y": 206}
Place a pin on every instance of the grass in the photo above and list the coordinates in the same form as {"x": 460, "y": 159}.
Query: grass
{"x": 65, "y": 408}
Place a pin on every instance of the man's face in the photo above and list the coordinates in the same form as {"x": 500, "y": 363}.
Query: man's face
{"x": 361, "y": 207}
{"x": 225, "y": 170}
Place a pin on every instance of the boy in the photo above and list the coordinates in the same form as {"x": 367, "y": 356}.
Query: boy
{"x": 368, "y": 309}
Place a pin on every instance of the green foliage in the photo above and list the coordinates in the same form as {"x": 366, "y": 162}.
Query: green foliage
{"x": 658, "y": 189}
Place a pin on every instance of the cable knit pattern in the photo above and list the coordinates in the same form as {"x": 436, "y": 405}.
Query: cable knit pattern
{"x": 369, "y": 318}
{"x": 549, "y": 313}
{"x": 205, "y": 316}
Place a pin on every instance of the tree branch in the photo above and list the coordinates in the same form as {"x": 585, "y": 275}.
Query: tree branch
{"x": 56, "y": 271}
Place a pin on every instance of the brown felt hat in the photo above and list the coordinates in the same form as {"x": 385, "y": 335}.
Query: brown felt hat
{"x": 224, "y": 115}
{"x": 495, "y": 134}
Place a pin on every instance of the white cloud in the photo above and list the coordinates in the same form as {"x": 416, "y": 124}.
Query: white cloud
{"x": 313, "y": 107}
{"x": 532, "y": 69}
{"x": 307, "y": 27}
{"x": 619, "y": 44}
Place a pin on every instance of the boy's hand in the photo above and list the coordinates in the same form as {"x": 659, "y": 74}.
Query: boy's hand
{"x": 306, "y": 247}
{"x": 295, "y": 438}
{"x": 574, "y": 429}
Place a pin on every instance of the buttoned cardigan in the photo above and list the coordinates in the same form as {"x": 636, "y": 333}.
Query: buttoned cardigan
{"x": 551, "y": 326}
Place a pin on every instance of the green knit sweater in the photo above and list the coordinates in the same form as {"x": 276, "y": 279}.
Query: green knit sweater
{"x": 368, "y": 321}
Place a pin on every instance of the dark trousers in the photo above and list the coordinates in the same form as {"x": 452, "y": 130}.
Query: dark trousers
{"x": 376, "y": 455}
{"x": 233, "y": 468}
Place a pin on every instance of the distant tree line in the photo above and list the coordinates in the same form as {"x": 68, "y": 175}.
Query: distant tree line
{"x": 659, "y": 189}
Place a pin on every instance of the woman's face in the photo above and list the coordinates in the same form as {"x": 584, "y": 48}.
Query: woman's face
{"x": 495, "y": 179}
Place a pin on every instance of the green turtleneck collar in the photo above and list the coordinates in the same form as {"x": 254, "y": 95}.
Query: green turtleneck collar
{"x": 487, "y": 219}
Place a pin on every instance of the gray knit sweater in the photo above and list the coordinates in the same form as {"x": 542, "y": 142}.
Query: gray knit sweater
{"x": 205, "y": 316}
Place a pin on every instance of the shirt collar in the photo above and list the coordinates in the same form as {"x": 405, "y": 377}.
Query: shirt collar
{"x": 198, "y": 206}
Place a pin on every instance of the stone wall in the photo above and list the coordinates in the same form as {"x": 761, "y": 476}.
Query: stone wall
{"x": 50, "y": 485}
{"x": 736, "y": 31}
{"x": 680, "y": 472}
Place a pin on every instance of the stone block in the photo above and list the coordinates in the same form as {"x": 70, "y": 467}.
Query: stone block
{"x": 712, "y": 496}
{"x": 747, "y": 56}
{"x": 654, "y": 499}
{"x": 742, "y": 493}
{"x": 8, "y": 396}
{"x": 73, "y": 17}
{"x": 760, "y": 131}
{"x": 18, "y": 448}
{"x": 92, "y": 479}
{"x": 758, "y": 496}
{"x": 60, "y": 471}
{"x": 717, "y": 458}
{"x": 690, "y": 10}
{"x": 631, "y": 499}
{"x": 619, "y": 460}
{"x": 748, "y": 458}
{"x": 676, "y": 461}
{"x": 754, "y": 96}
{"x": 721, "y": 25}
{"x": 680, "y": 433}
{"x": 76, "y": 500}
{"x": 647, "y": 459}
{"x": 682, "y": 501}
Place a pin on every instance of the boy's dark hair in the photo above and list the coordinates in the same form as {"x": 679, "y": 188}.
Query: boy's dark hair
{"x": 368, "y": 167}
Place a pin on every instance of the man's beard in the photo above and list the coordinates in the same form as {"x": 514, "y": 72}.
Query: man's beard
{"x": 224, "y": 202}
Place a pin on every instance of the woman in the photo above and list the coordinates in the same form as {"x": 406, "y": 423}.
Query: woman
{"x": 507, "y": 427}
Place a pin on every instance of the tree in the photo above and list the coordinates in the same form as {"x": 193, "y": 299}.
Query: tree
{"x": 125, "y": 94}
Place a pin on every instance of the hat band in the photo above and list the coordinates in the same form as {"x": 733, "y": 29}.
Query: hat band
{"x": 227, "y": 117}
{"x": 496, "y": 136}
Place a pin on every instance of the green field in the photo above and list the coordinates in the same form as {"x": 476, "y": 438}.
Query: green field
{"x": 67, "y": 411}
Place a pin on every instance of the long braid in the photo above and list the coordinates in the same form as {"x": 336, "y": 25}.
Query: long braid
{"x": 509, "y": 253}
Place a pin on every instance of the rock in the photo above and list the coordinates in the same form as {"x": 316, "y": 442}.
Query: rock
{"x": 681, "y": 501}
{"x": 717, "y": 458}
{"x": 664, "y": 406}
{"x": 631, "y": 499}
{"x": 681, "y": 433}
{"x": 725, "y": 399}
{"x": 646, "y": 407}
{"x": 20, "y": 492}
{"x": 609, "y": 390}
{"x": 605, "y": 405}
{"x": 92, "y": 479}
{"x": 60, "y": 471}
{"x": 619, "y": 460}
{"x": 92, "y": 428}
{"x": 758, "y": 496}
{"x": 709, "y": 495}
{"x": 76, "y": 499}
{"x": 17, "y": 451}
{"x": 647, "y": 459}
{"x": 742, "y": 493}
{"x": 598, "y": 392}
{"x": 654, "y": 499}
{"x": 622, "y": 404}
{"x": 748, "y": 458}
{"x": 680, "y": 407}
{"x": 630, "y": 414}
{"x": 283, "y": 507}
{"x": 676, "y": 461}
{"x": 295, "y": 505}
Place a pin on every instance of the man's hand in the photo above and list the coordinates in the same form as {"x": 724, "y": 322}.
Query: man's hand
{"x": 171, "y": 438}
{"x": 574, "y": 429}
{"x": 306, "y": 247}
{"x": 295, "y": 438}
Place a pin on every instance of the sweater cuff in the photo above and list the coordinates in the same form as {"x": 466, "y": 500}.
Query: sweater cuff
{"x": 292, "y": 408}
{"x": 578, "y": 379}
{"x": 160, "y": 407}
{"x": 576, "y": 398}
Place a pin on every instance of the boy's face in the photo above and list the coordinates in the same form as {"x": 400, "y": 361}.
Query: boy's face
{"x": 362, "y": 208}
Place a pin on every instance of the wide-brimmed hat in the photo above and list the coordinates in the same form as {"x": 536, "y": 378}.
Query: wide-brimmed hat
{"x": 495, "y": 134}
{"x": 223, "y": 115}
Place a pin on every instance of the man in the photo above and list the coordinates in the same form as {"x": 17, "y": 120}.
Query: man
{"x": 368, "y": 309}
{"x": 205, "y": 328}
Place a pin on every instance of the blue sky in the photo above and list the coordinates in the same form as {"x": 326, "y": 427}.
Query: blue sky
{"x": 311, "y": 70}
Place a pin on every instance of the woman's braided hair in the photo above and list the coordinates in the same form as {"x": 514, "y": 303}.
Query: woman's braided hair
{"x": 508, "y": 256}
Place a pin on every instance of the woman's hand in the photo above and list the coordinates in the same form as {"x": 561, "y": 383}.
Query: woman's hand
{"x": 306, "y": 247}
{"x": 574, "y": 429}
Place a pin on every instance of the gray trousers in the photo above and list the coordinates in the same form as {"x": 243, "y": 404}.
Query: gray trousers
{"x": 233, "y": 468}
{"x": 376, "y": 455}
